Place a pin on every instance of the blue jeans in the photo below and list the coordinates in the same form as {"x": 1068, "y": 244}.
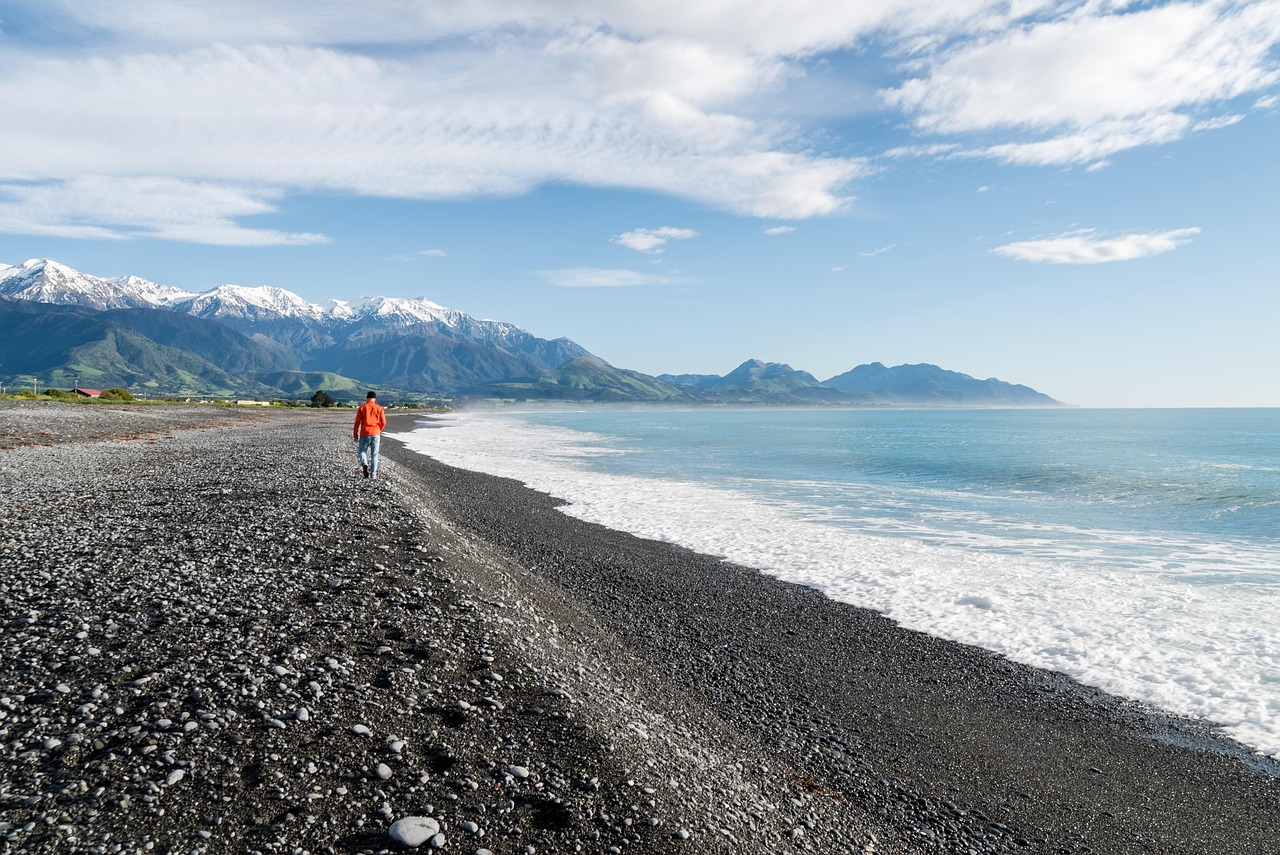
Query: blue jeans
{"x": 368, "y": 451}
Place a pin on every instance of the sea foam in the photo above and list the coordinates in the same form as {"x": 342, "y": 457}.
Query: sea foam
{"x": 1208, "y": 651}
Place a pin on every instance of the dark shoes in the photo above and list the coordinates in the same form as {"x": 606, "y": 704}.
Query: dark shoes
{"x": 366, "y": 470}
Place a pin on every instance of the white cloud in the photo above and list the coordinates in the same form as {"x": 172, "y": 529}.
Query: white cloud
{"x": 928, "y": 150}
{"x": 775, "y": 231}
{"x": 407, "y": 258}
{"x": 1094, "y": 143}
{"x": 122, "y": 208}
{"x": 595, "y": 277}
{"x": 874, "y": 252}
{"x": 838, "y": 268}
{"x": 1218, "y": 122}
{"x": 751, "y": 27}
{"x": 463, "y": 98}
{"x": 1095, "y": 79}
{"x": 479, "y": 98}
{"x": 1087, "y": 247}
{"x": 652, "y": 240}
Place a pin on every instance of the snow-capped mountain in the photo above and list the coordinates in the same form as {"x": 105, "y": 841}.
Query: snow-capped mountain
{"x": 45, "y": 281}
{"x": 318, "y": 334}
{"x": 261, "y": 302}
{"x": 393, "y": 310}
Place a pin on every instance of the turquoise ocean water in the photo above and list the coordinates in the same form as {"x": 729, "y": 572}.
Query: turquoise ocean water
{"x": 1137, "y": 550}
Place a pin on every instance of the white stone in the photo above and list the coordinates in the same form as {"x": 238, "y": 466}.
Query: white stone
{"x": 518, "y": 772}
{"x": 413, "y": 831}
{"x": 384, "y": 771}
{"x": 361, "y": 730}
{"x": 174, "y": 777}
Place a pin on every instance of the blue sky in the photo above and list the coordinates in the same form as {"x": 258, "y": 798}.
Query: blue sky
{"x": 1078, "y": 196}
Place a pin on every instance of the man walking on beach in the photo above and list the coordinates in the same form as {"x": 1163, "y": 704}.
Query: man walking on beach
{"x": 370, "y": 420}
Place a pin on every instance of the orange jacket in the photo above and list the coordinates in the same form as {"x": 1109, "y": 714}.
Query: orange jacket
{"x": 370, "y": 420}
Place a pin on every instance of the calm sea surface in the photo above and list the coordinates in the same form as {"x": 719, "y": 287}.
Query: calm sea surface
{"x": 1137, "y": 550}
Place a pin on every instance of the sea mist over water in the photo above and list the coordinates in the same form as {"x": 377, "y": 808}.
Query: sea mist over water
{"x": 1134, "y": 550}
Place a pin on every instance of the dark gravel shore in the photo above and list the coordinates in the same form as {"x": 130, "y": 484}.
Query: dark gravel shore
{"x": 219, "y": 638}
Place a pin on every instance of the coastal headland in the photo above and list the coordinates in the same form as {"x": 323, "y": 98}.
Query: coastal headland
{"x": 220, "y": 638}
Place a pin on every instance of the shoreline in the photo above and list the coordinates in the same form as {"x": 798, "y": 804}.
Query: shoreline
{"x": 956, "y": 690}
{"x": 1034, "y": 582}
{"x": 222, "y": 639}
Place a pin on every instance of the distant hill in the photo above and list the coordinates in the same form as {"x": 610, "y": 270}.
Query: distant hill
{"x": 66, "y": 328}
{"x": 925, "y": 385}
{"x": 755, "y": 381}
{"x": 72, "y": 346}
{"x": 428, "y": 363}
{"x": 586, "y": 378}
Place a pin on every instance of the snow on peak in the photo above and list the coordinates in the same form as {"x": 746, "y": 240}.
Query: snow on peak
{"x": 45, "y": 281}
{"x": 403, "y": 309}
{"x": 246, "y": 300}
{"x": 152, "y": 292}
{"x": 338, "y": 309}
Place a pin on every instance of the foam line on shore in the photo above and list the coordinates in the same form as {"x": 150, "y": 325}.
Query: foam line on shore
{"x": 1076, "y": 619}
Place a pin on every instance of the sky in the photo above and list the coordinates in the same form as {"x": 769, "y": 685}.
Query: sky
{"x": 1076, "y": 196}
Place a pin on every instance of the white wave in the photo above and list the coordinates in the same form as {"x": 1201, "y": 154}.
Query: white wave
{"x": 1211, "y": 651}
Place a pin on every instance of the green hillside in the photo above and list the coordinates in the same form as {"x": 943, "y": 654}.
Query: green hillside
{"x": 587, "y": 379}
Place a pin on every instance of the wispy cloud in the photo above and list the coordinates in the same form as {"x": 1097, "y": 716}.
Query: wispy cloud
{"x": 872, "y": 253}
{"x": 775, "y": 231}
{"x": 1087, "y": 247}
{"x": 1219, "y": 122}
{"x": 595, "y": 277}
{"x": 923, "y": 150}
{"x": 127, "y": 207}
{"x": 407, "y": 258}
{"x": 652, "y": 240}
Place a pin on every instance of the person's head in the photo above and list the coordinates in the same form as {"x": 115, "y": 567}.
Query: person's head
{"x": 371, "y": 396}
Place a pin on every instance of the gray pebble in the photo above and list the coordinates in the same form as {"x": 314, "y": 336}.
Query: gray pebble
{"x": 413, "y": 831}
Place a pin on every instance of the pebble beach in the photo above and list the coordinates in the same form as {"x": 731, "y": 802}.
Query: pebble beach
{"x": 220, "y": 638}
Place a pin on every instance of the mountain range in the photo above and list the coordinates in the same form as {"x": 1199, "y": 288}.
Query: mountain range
{"x": 67, "y": 328}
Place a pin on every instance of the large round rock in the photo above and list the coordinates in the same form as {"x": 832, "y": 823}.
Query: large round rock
{"x": 413, "y": 831}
